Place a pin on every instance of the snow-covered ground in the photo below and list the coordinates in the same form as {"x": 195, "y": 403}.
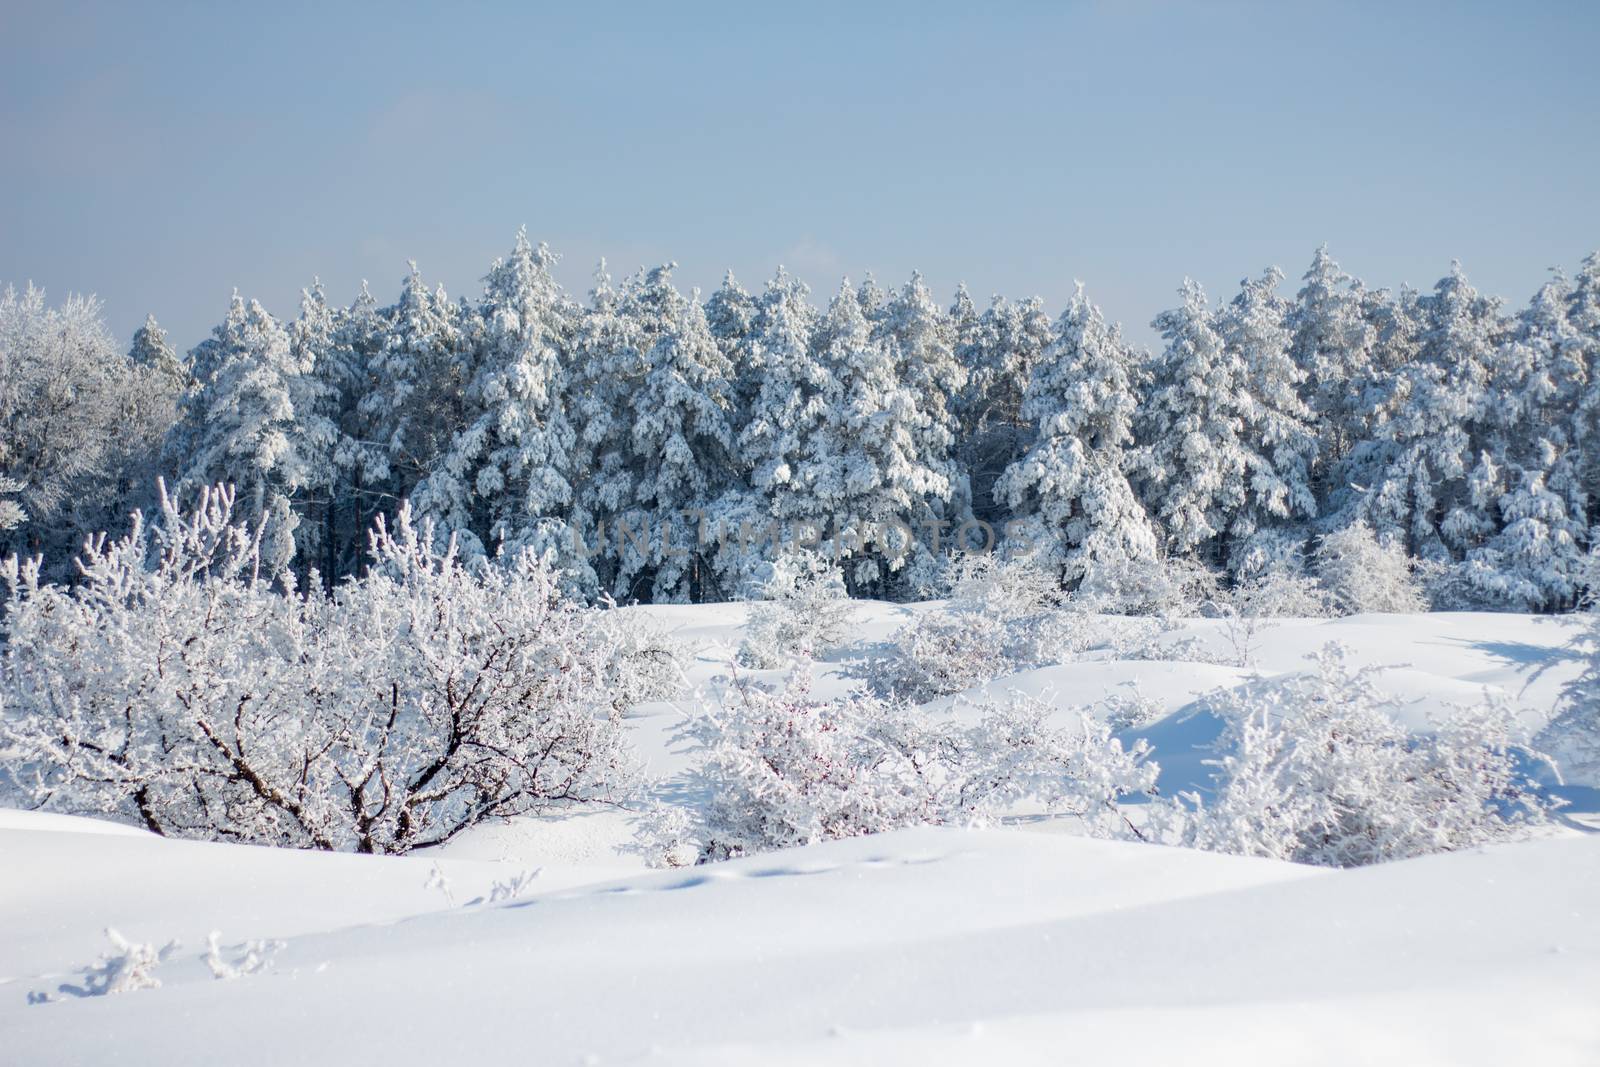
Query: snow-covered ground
{"x": 1016, "y": 945}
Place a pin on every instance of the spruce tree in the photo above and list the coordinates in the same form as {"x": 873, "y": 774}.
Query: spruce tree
{"x": 999, "y": 352}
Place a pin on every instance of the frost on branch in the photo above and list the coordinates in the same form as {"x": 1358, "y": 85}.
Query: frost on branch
{"x": 128, "y": 967}
{"x": 1130, "y": 709}
{"x": 1165, "y": 587}
{"x": 1001, "y": 588}
{"x": 1360, "y": 574}
{"x": 803, "y": 612}
{"x": 785, "y": 769}
{"x": 997, "y": 609}
{"x": 228, "y": 962}
{"x": 1280, "y": 590}
{"x": 940, "y": 654}
{"x": 193, "y": 697}
{"x": 1573, "y": 737}
{"x": 1319, "y": 770}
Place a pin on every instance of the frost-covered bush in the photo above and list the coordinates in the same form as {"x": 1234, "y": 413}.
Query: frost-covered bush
{"x": 1134, "y": 586}
{"x": 1361, "y": 574}
{"x": 941, "y": 653}
{"x": 997, "y": 628}
{"x": 804, "y": 611}
{"x": 177, "y": 688}
{"x": 995, "y": 623}
{"x": 1280, "y": 591}
{"x": 646, "y": 662}
{"x": 786, "y": 769}
{"x": 1316, "y": 768}
{"x": 1130, "y": 709}
{"x": 129, "y": 966}
{"x": 1573, "y": 736}
{"x": 1000, "y": 588}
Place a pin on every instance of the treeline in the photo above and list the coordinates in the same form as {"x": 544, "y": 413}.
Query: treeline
{"x": 630, "y": 434}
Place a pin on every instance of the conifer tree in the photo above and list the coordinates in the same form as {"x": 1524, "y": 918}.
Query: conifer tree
{"x": 788, "y": 406}
{"x": 1268, "y": 527}
{"x": 252, "y": 421}
{"x": 731, "y": 317}
{"x": 152, "y": 350}
{"x": 999, "y": 351}
{"x": 1435, "y": 426}
{"x": 1333, "y": 348}
{"x": 1526, "y": 483}
{"x": 861, "y": 467}
{"x": 1193, "y": 461}
{"x": 682, "y": 451}
{"x": 505, "y": 480}
{"x": 1070, "y": 493}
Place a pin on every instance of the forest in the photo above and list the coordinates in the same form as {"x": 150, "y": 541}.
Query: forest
{"x": 660, "y": 447}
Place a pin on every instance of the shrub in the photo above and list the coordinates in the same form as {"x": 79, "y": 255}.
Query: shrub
{"x": 785, "y": 769}
{"x": 1573, "y": 736}
{"x": 1130, "y": 709}
{"x": 1315, "y": 768}
{"x": 194, "y": 697}
{"x": 803, "y": 613}
{"x": 1280, "y": 591}
{"x": 1361, "y": 575}
{"x": 1146, "y": 587}
{"x": 999, "y": 588}
{"x": 939, "y": 654}
{"x": 998, "y": 619}
{"x": 1009, "y": 616}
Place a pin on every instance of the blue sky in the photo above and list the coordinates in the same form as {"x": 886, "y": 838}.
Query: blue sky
{"x": 162, "y": 157}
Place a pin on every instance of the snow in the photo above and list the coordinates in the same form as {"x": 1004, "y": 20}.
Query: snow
{"x": 1020, "y": 944}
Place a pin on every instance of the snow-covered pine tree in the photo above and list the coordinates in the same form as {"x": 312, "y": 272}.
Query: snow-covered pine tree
{"x": 920, "y": 341}
{"x": 1527, "y": 481}
{"x": 348, "y": 368}
{"x": 874, "y": 299}
{"x": 411, "y": 408}
{"x": 337, "y": 378}
{"x": 505, "y": 481}
{"x": 1434, "y": 427}
{"x": 1070, "y": 491}
{"x": 252, "y": 421}
{"x": 964, "y": 321}
{"x": 999, "y": 351}
{"x": 860, "y": 467}
{"x": 1333, "y": 348}
{"x": 1193, "y": 461}
{"x": 682, "y": 455}
{"x": 731, "y": 317}
{"x": 602, "y": 351}
{"x": 152, "y": 350}
{"x": 787, "y": 408}
{"x": 1270, "y": 526}
{"x": 1582, "y": 354}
